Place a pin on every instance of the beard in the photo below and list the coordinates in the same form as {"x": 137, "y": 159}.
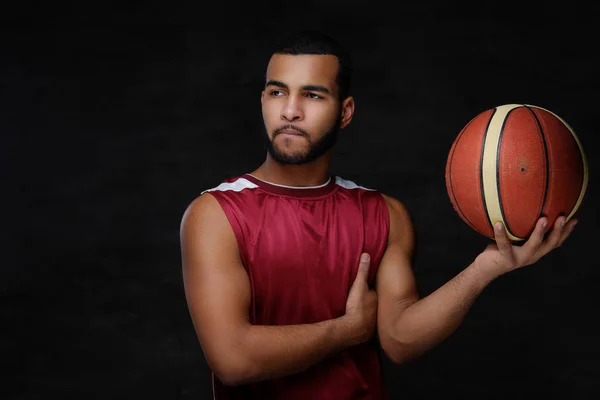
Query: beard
{"x": 314, "y": 150}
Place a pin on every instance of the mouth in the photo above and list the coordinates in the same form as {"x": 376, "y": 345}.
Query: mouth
{"x": 290, "y": 132}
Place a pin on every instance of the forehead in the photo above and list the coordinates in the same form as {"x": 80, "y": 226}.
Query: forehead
{"x": 304, "y": 69}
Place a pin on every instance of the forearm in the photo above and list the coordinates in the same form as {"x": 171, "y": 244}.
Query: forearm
{"x": 273, "y": 351}
{"x": 429, "y": 321}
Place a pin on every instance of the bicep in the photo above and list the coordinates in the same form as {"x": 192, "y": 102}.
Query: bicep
{"x": 216, "y": 285}
{"x": 395, "y": 284}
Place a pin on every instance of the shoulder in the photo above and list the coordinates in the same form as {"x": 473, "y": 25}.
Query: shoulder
{"x": 401, "y": 225}
{"x": 351, "y": 185}
{"x": 396, "y": 208}
{"x": 232, "y": 185}
{"x": 202, "y": 211}
{"x": 210, "y": 210}
{"x": 209, "y": 202}
{"x": 205, "y": 227}
{"x": 399, "y": 216}
{"x": 369, "y": 196}
{"x": 394, "y": 205}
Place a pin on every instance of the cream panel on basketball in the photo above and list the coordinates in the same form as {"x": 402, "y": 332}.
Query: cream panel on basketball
{"x": 583, "y": 158}
{"x": 489, "y": 166}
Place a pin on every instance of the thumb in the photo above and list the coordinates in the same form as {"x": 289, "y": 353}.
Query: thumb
{"x": 363, "y": 268}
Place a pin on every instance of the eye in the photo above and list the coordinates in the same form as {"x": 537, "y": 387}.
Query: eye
{"x": 314, "y": 96}
{"x": 276, "y": 93}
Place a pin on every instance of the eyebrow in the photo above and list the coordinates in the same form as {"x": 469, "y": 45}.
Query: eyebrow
{"x": 310, "y": 88}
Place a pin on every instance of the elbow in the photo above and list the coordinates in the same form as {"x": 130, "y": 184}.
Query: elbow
{"x": 229, "y": 377}
{"x": 399, "y": 352}
{"x": 232, "y": 375}
{"x": 233, "y": 371}
{"x": 401, "y": 355}
{"x": 396, "y": 356}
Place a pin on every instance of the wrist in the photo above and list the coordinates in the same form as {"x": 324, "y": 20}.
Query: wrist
{"x": 486, "y": 270}
{"x": 344, "y": 332}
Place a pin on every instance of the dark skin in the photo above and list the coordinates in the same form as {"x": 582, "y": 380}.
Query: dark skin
{"x": 302, "y": 91}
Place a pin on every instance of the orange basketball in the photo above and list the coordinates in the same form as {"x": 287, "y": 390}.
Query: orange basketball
{"x": 515, "y": 163}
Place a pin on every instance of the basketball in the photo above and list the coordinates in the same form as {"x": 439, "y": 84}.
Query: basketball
{"x": 514, "y": 164}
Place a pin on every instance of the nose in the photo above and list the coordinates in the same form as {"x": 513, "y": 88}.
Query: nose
{"x": 292, "y": 110}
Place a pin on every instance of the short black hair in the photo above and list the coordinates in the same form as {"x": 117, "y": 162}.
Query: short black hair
{"x": 315, "y": 42}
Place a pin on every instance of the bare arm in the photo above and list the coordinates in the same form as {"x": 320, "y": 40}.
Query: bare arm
{"x": 407, "y": 325}
{"x": 217, "y": 289}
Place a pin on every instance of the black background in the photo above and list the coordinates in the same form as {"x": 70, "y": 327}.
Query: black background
{"x": 114, "y": 117}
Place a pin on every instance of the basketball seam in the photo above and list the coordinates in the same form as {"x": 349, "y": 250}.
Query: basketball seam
{"x": 498, "y": 188}
{"x": 547, "y": 159}
{"x": 585, "y": 178}
{"x": 481, "y": 180}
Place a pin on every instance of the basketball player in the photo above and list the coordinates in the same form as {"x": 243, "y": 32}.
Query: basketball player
{"x": 294, "y": 278}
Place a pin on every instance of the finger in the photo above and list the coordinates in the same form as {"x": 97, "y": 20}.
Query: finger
{"x": 553, "y": 238}
{"x": 567, "y": 231}
{"x": 502, "y": 241}
{"x": 536, "y": 238}
{"x": 363, "y": 268}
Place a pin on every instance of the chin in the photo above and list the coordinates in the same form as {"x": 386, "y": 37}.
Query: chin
{"x": 295, "y": 155}
{"x": 294, "y": 150}
{"x": 288, "y": 157}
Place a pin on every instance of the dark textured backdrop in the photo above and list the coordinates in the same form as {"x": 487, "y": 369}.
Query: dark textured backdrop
{"x": 114, "y": 117}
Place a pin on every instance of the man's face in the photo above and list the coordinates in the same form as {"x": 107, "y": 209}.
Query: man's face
{"x": 301, "y": 107}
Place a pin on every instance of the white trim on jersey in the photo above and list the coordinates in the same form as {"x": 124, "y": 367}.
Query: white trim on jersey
{"x": 237, "y": 186}
{"x": 242, "y": 183}
{"x": 293, "y": 187}
{"x": 346, "y": 184}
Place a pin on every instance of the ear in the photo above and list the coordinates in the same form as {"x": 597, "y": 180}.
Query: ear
{"x": 262, "y": 97}
{"x": 347, "y": 111}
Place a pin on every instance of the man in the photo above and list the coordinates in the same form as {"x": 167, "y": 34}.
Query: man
{"x": 295, "y": 278}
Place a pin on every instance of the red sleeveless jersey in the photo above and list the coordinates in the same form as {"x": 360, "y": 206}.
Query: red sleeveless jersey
{"x": 301, "y": 248}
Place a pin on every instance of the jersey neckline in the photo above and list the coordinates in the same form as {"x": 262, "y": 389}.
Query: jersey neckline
{"x": 296, "y": 191}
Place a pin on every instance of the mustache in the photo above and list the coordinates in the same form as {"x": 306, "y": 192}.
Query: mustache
{"x": 290, "y": 127}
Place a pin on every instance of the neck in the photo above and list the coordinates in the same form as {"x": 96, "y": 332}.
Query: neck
{"x": 311, "y": 174}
